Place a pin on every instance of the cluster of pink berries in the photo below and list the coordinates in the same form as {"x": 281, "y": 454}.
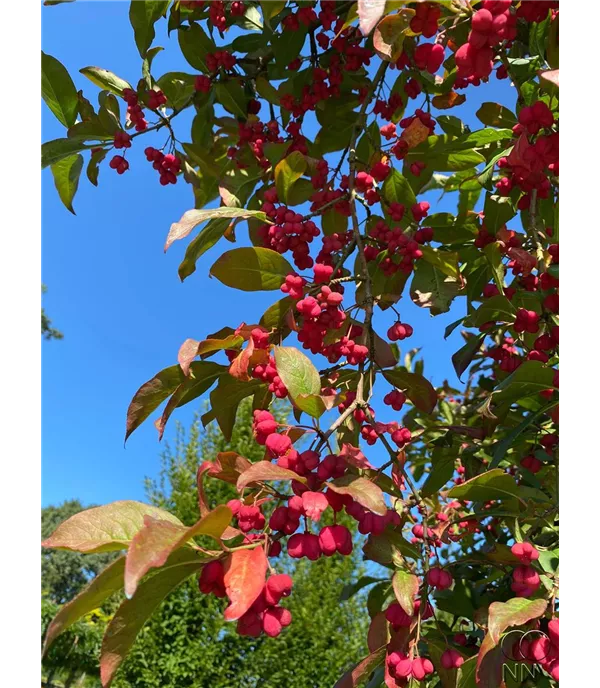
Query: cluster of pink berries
{"x": 491, "y": 25}
{"x": 135, "y": 113}
{"x": 168, "y": 166}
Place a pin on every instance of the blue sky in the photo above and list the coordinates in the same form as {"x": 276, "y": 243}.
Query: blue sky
{"x": 116, "y": 295}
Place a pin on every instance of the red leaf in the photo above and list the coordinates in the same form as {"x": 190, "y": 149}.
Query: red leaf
{"x": 378, "y": 632}
{"x": 355, "y": 457}
{"x": 356, "y": 676}
{"x": 448, "y": 100}
{"x": 524, "y": 260}
{"x": 245, "y": 572}
{"x": 265, "y": 470}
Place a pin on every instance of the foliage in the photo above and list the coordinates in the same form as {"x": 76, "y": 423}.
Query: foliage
{"x": 65, "y": 573}
{"x": 48, "y": 332}
{"x": 471, "y": 471}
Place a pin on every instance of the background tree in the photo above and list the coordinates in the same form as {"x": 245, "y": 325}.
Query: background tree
{"x": 48, "y": 332}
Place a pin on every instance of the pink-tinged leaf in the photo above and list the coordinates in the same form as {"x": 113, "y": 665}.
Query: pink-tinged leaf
{"x": 363, "y": 491}
{"x": 378, "y": 634}
{"x": 406, "y": 587}
{"x": 157, "y": 540}
{"x": 502, "y": 615}
{"x": 228, "y": 467}
{"x": 357, "y": 675}
{"x": 355, "y": 457}
{"x": 105, "y": 528}
{"x": 127, "y": 622}
{"x": 105, "y": 584}
{"x": 151, "y": 395}
{"x": 549, "y": 75}
{"x": 187, "y": 353}
{"x": 520, "y": 155}
{"x": 369, "y": 13}
{"x": 192, "y": 218}
{"x": 314, "y": 504}
{"x": 265, "y": 470}
{"x": 388, "y": 39}
{"x": 245, "y": 572}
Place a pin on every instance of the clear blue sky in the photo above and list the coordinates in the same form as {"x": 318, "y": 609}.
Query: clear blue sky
{"x": 116, "y": 295}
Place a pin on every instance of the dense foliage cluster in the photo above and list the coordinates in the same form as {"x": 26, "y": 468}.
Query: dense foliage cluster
{"x": 305, "y": 130}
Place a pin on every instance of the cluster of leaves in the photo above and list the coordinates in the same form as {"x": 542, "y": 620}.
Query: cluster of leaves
{"x": 186, "y": 641}
{"x": 49, "y": 332}
{"x": 500, "y": 430}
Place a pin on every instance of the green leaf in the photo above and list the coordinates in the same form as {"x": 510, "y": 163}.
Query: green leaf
{"x": 494, "y": 258}
{"x": 274, "y": 316}
{"x": 251, "y": 269}
{"x": 143, "y": 16}
{"x": 362, "y": 490}
{"x": 192, "y": 218}
{"x": 232, "y": 97}
{"x": 105, "y": 79}
{"x": 496, "y": 308}
{"x": 287, "y": 46}
{"x": 359, "y": 673}
{"x": 441, "y": 471}
{"x": 451, "y": 125}
{"x": 207, "y": 238}
{"x": 397, "y": 189}
{"x": 104, "y": 528}
{"x": 92, "y": 168}
{"x": 383, "y": 548}
{"x": 462, "y": 359}
{"x": 418, "y": 388}
{"x": 265, "y": 470}
{"x": 150, "y": 395}
{"x": 529, "y": 379}
{"x": 406, "y": 587}
{"x": 147, "y": 64}
{"x": 154, "y": 543}
{"x": 500, "y": 448}
{"x": 195, "y": 44}
{"x": 226, "y": 398}
{"x": 99, "y": 589}
{"x": 296, "y": 371}
{"x": 494, "y": 484}
{"x": 266, "y": 90}
{"x": 178, "y": 87}
{"x": 66, "y": 173}
{"x": 466, "y": 674}
{"x": 431, "y": 289}
{"x": 498, "y": 210}
{"x": 287, "y": 171}
{"x": 58, "y": 149}
{"x": 448, "y": 229}
{"x": 58, "y": 90}
{"x": 272, "y": 8}
{"x": 132, "y": 614}
{"x": 496, "y": 115}
{"x": 444, "y": 261}
{"x": 350, "y": 589}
